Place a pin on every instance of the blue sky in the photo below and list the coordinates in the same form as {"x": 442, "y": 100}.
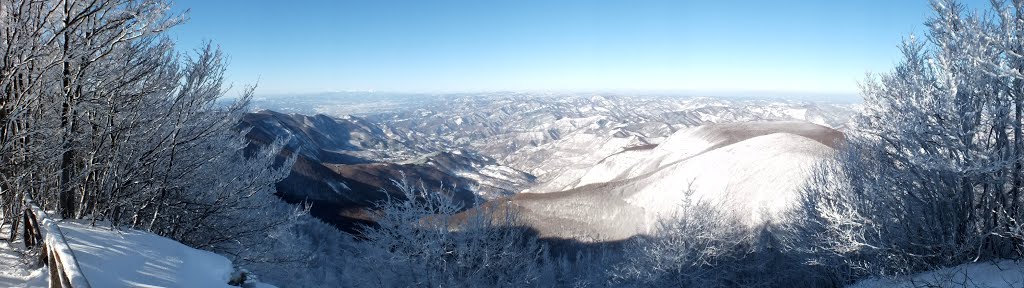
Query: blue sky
{"x": 562, "y": 45}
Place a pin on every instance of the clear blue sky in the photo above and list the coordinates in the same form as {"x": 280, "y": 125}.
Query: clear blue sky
{"x": 448, "y": 46}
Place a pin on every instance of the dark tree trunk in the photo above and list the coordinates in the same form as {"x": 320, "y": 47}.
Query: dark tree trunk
{"x": 66, "y": 189}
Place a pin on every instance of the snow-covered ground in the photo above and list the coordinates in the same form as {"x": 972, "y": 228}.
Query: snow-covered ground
{"x": 133, "y": 258}
{"x": 14, "y": 272}
{"x": 992, "y": 274}
{"x": 127, "y": 258}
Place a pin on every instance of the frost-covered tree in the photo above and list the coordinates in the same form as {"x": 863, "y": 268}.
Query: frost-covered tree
{"x": 704, "y": 246}
{"x": 418, "y": 242}
{"x": 693, "y": 249}
{"x": 26, "y": 144}
{"x": 932, "y": 175}
{"x": 104, "y": 119}
{"x": 70, "y": 69}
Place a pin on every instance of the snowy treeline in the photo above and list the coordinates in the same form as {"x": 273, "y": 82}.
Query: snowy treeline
{"x": 426, "y": 243}
{"x": 103, "y": 119}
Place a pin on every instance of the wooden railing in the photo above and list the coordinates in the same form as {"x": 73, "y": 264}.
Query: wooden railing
{"x": 40, "y": 231}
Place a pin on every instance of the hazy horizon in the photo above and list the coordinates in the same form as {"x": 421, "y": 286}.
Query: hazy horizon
{"x": 792, "y": 95}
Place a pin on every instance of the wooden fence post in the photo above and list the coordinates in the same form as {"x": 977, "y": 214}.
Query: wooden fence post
{"x": 50, "y": 240}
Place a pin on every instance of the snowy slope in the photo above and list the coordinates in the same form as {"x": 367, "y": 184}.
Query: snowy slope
{"x": 993, "y": 274}
{"x": 687, "y": 143}
{"x": 758, "y": 175}
{"x": 753, "y": 169}
{"x": 564, "y": 161}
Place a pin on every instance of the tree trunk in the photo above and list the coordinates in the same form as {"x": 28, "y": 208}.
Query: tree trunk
{"x": 1017, "y": 146}
{"x": 67, "y": 124}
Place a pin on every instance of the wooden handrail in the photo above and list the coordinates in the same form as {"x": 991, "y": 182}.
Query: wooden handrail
{"x": 39, "y": 230}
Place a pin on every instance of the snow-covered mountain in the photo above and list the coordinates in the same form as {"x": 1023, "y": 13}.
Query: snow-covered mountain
{"x": 545, "y": 135}
{"x": 753, "y": 169}
{"x": 343, "y": 165}
{"x": 568, "y": 153}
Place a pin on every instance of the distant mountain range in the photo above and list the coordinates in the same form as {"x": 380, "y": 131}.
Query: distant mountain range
{"x": 583, "y": 148}
{"x": 344, "y": 166}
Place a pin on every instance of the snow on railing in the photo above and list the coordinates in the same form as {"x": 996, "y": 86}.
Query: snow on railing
{"x": 55, "y": 253}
